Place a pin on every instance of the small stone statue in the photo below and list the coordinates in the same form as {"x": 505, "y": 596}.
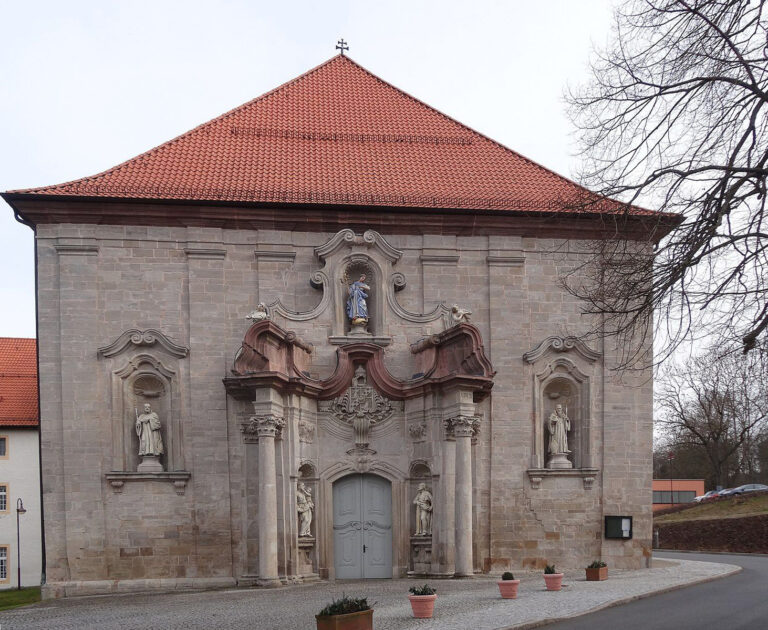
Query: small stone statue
{"x": 304, "y": 506}
{"x": 460, "y": 315}
{"x": 150, "y": 440}
{"x": 258, "y": 314}
{"x": 423, "y": 503}
{"x": 357, "y": 306}
{"x": 559, "y": 425}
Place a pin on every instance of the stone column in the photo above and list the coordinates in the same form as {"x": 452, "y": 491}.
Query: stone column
{"x": 463, "y": 429}
{"x": 444, "y": 519}
{"x": 267, "y": 427}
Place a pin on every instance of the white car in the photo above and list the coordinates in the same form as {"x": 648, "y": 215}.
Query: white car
{"x": 705, "y": 496}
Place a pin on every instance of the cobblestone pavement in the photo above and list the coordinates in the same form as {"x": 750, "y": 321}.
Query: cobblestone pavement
{"x": 461, "y": 604}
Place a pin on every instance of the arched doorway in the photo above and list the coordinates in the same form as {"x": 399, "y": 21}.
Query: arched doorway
{"x": 362, "y": 527}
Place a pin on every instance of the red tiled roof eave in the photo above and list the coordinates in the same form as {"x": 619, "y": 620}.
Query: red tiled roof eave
{"x": 18, "y": 382}
{"x": 301, "y": 144}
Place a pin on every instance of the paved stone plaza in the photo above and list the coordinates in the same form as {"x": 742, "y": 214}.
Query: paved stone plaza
{"x": 461, "y": 604}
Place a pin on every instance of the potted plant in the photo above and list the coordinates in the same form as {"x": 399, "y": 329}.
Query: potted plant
{"x": 508, "y": 585}
{"x": 422, "y": 601}
{"x": 597, "y": 571}
{"x": 346, "y": 613}
{"x": 553, "y": 580}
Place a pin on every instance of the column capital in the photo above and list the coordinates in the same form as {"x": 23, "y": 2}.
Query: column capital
{"x": 462, "y": 426}
{"x": 262, "y": 426}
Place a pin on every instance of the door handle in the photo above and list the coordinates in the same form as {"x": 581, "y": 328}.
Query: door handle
{"x": 364, "y": 548}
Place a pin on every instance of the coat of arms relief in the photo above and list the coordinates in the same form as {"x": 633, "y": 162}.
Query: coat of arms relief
{"x": 362, "y": 408}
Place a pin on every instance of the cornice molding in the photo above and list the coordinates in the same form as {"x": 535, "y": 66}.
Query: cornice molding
{"x": 77, "y": 250}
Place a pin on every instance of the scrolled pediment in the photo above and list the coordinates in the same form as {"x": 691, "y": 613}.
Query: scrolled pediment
{"x": 562, "y": 344}
{"x": 347, "y": 238}
{"x": 135, "y": 338}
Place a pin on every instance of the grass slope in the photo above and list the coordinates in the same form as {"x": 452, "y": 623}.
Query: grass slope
{"x": 728, "y": 507}
{"x": 15, "y": 597}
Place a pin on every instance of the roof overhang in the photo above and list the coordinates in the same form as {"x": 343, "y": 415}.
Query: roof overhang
{"x": 35, "y": 209}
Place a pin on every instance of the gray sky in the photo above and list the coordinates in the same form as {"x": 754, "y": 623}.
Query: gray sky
{"x": 86, "y": 85}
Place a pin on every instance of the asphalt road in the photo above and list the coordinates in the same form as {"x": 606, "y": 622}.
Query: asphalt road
{"x": 732, "y": 603}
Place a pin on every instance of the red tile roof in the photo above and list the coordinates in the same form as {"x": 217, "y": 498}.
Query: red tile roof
{"x": 18, "y": 382}
{"x": 336, "y": 135}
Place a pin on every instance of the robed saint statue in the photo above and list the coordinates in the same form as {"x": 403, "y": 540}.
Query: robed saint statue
{"x": 148, "y": 430}
{"x": 357, "y": 306}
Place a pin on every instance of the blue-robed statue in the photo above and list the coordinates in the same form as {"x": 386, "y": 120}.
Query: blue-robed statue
{"x": 357, "y": 307}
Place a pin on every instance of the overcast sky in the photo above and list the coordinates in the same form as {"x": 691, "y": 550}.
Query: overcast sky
{"x": 87, "y": 85}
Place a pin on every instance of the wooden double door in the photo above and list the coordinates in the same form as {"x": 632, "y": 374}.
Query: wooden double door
{"x": 362, "y": 527}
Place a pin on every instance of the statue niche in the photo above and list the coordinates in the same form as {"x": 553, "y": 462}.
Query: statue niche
{"x": 360, "y": 298}
{"x": 149, "y": 390}
{"x": 558, "y": 395}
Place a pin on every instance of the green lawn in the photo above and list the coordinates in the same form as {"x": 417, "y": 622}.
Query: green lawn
{"x": 748, "y": 505}
{"x": 14, "y": 597}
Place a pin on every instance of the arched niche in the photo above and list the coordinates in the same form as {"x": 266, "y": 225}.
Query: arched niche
{"x": 307, "y": 470}
{"x": 352, "y": 267}
{"x": 562, "y": 382}
{"x": 418, "y": 472}
{"x": 144, "y": 379}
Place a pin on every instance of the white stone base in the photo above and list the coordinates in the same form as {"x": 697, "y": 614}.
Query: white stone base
{"x": 559, "y": 461}
{"x": 77, "y": 588}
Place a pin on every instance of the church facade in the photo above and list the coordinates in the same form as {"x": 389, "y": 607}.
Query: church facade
{"x": 324, "y": 338}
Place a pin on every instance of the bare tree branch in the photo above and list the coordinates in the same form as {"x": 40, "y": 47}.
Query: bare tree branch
{"x": 675, "y": 119}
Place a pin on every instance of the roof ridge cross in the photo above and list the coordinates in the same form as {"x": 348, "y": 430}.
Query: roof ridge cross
{"x": 342, "y": 46}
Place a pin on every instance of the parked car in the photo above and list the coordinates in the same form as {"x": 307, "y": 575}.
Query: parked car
{"x": 725, "y": 492}
{"x": 705, "y": 496}
{"x": 750, "y": 487}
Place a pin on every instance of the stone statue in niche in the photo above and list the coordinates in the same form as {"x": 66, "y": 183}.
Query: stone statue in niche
{"x": 423, "y": 503}
{"x": 460, "y": 315}
{"x": 148, "y": 428}
{"x": 357, "y": 305}
{"x": 258, "y": 314}
{"x": 304, "y": 506}
{"x": 558, "y": 425}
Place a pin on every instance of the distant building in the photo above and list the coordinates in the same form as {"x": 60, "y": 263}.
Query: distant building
{"x": 669, "y": 492}
{"x": 19, "y": 462}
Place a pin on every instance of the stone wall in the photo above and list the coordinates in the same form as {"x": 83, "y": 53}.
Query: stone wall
{"x": 195, "y": 286}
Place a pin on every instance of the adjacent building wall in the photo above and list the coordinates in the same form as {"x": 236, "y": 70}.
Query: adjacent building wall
{"x": 20, "y": 473}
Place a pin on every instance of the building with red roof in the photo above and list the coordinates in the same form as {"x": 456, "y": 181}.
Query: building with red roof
{"x": 331, "y": 306}
{"x": 19, "y": 463}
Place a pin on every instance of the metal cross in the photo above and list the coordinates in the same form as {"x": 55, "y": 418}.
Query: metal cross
{"x": 342, "y": 46}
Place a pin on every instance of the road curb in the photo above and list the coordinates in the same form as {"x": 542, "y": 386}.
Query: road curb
{"x": 619, "y": 602}
{"x": 715, "y": 553}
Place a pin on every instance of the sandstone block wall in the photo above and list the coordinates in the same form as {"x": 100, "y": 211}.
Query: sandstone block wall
{"x": 196, "y": 285}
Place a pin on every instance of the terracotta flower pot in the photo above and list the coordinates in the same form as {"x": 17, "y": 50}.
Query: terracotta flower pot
{"x": 597, "y": 575}
{"x": 508, "y": 588}
{"x": 554, "y": 581}
{"x": 362, "y": 620}
{"x": 423, "y": 605}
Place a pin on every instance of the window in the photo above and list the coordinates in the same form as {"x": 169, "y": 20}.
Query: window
{"x": 678, "y": 496}
{"x": 3, "y": 446}
{"x": 4, "y": 563}
{"x": 3, "y": 498}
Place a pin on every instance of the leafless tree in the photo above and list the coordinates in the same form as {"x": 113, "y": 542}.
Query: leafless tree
{"x": 717, "y": 404}
{"x": 675, "y": 119}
